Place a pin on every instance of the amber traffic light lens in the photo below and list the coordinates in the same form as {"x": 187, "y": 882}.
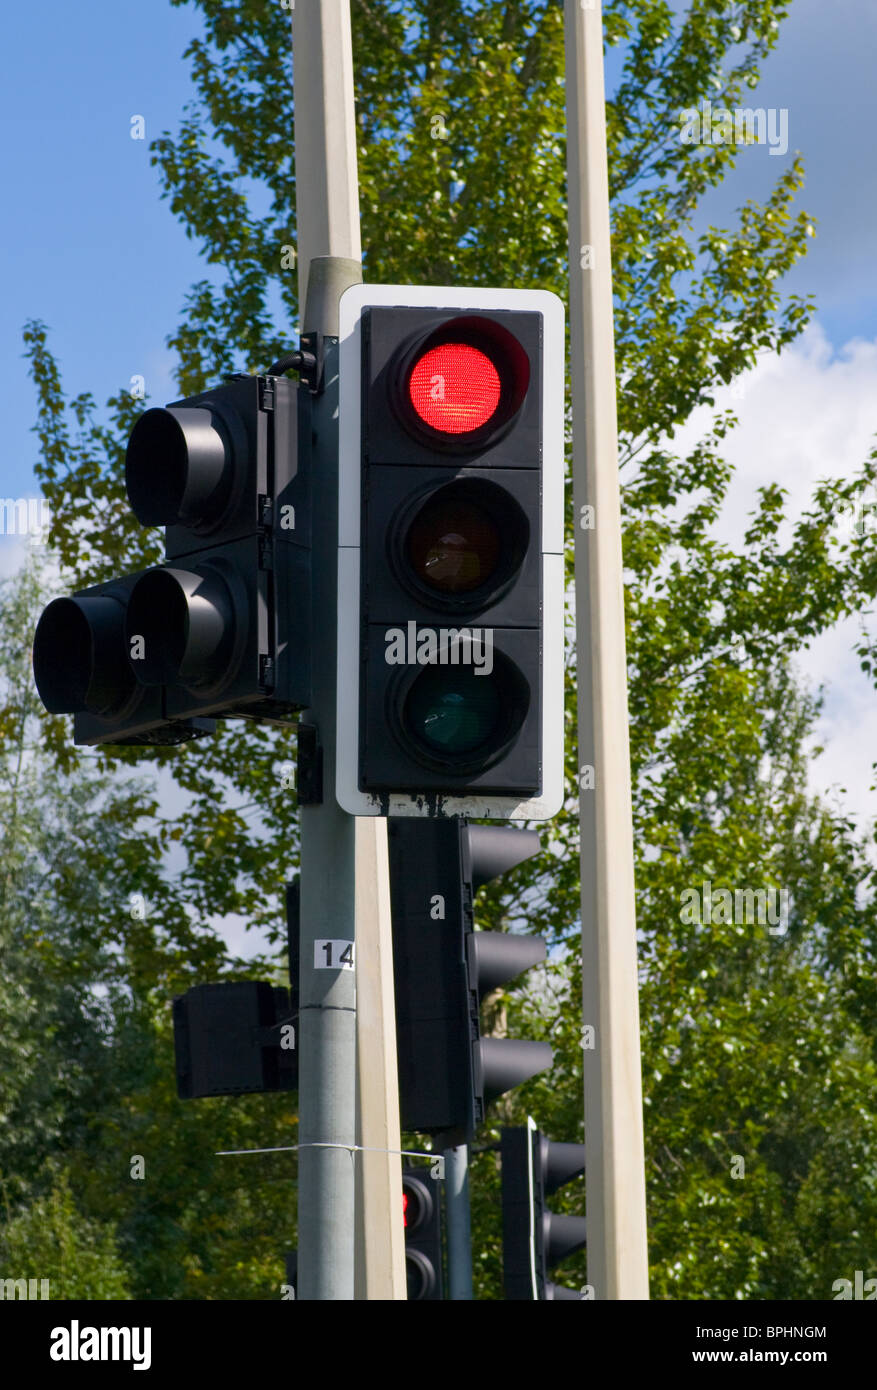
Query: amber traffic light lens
{"x": 453, "y": 545}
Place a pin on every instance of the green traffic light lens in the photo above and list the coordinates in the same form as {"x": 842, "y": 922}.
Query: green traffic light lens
{"x": 453, "y": 712}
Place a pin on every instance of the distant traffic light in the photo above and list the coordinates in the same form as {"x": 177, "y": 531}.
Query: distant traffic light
{"x": 450, "y": 654}
{"x": 223, "y": 626}
{"x": 233, "y": 1038}
{"x": 534, "y": 1238}
{"x": 443, "y": 967}
{"x": 422, "y": 1215}
{"x": 240, "y": 1036}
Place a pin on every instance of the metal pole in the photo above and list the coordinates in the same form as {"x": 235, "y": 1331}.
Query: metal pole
{"x": 459, "y": 1224}
{"x": 344, "y": 870}
{"x": 615, "y": 1164}
{"x": 328, "y": 229}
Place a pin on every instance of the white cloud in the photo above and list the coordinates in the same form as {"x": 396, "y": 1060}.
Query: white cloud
{"x": 240, "y": 938}
{"x": 12, "y": 553}
{"x": 806, "y": 415}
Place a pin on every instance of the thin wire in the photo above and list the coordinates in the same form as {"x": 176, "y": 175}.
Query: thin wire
{"x": 319, "y": 1144}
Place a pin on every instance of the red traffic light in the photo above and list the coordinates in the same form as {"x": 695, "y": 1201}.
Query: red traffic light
{"x": 416, "y": 1201}
{"x": 423, "y": 1237}
{"x": 451, "y": 552}
{"x": 455, "y": 388}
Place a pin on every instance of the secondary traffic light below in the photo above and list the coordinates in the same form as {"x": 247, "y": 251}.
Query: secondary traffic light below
{"x": 450, "y": 653}
{"x": 443, "y": 968}
{"x": 233, "y": 1038}
{"x": 239, "y": 1036}
{"x": 223, "y": 626}
{"x": 534, "y": 1238}
{"x": 422, "y": 1214}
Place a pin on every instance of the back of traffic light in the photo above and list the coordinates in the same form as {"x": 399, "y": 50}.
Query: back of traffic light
{"x": 448, "y": 1073}
{"x": 223, "y": 626}
{"x": 450, "y": 652}
{"x": 533, "y": 1237}
{"x": 240, "y": 1036}
{"x": 234, "y": 1038}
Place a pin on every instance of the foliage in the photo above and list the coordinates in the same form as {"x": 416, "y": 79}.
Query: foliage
{"x": 52, "y": 1235}
{"x": 95, "y": 938}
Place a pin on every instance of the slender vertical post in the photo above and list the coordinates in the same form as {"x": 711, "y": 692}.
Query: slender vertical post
{"x": 614, "y": 1166}
{"x": 327, "y": 1019}
{"x": 380, "y": 1233}
{"x": 326, "y": 188}
{"x": 328, "y": 260}
{"x": 344, "y": 886}
{"x": 459, "y": 1224}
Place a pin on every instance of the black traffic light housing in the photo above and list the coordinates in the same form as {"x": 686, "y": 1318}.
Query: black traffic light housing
{"x": 223, "y": 626}
{"x": 448, "y": 1073}
{"x": 234, "y": 1038}
{"x": 81, "y": 668}
{"x": 241, "y": 1035}
{"x": 450, "y": 553}
{"x": 426, "y": 492}
{"x": 534, "y": 1238}
{"x": 424, "y": 1236}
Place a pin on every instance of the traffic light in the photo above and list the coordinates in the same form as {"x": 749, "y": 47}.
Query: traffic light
{"x": 442, "y": 968}
{"x": 233, "y": 1038}
{"x": 222, "y": 627}
{"x": 534, "y": 1238}
{"x": 240, "y": 1036}
{"x": 81, "y": 668}
{"x": 450, "y": 650}
{"x": 422, "y": 1214}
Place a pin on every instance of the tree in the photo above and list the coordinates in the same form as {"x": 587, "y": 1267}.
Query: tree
{"x": 111, "y": 1181}
{"x": 51, "y": 1235}
{"x": 460, "y": 119}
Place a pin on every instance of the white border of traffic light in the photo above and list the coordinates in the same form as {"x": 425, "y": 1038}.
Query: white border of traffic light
{"x": 352, "y": 304}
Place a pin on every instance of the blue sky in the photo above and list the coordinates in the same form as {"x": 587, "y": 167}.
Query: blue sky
{"x": 86, "y": 243}
{"x": 822, "y": 73}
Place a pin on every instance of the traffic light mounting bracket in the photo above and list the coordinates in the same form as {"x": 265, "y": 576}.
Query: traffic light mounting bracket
{"x": 308, "y": 361}
{"x": 309, "y": 766}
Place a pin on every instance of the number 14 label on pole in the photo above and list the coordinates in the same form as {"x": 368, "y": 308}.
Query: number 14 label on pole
{"x": 333, "y": 955}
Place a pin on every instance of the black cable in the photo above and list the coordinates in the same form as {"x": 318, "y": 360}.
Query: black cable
{"x": 292, "y": 362}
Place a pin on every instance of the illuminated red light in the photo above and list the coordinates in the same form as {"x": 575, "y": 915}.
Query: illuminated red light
{"x": 454, "y": 388}
{"x": 404, "y": 1208}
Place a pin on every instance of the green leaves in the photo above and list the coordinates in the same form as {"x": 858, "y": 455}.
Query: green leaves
{"x": 52, "y": 1241}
